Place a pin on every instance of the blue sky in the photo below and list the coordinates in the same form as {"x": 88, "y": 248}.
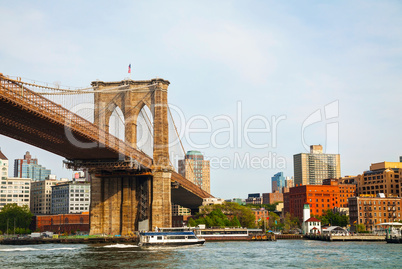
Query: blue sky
{"x": 271, "y": 58}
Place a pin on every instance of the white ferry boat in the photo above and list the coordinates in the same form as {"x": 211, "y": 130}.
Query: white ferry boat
{"x": 169, "y": 237}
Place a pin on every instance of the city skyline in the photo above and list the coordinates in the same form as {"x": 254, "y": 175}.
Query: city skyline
{"x": 276, "y": 62}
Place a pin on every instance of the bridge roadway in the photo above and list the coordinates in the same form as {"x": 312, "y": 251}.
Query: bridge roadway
{"x": 29, "y": 117}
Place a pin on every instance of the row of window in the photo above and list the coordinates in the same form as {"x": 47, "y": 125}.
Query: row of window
{"x": 379, "y": 202}
{"x": 15, "y": 183}
{"x": 13, "y": 200}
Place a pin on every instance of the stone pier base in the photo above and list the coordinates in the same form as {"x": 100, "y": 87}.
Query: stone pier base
{"x": 118, "y": 204}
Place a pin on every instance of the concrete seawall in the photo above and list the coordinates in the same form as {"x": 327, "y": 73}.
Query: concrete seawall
{"x": 346, "y": 238}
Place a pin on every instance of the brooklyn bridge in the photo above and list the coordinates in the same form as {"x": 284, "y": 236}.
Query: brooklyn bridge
{"x": 130, "y": 190}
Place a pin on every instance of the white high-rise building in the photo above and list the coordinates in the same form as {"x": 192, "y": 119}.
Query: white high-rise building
{"x": 71, "y": 197}
{"x": 311, "y": 168}
{"x": 13, "y": 190}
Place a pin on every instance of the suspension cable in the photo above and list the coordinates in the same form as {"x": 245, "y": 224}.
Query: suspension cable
{"x": 184, "y": 151}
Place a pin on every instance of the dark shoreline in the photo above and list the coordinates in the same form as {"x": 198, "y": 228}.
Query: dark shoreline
{"x": 100, "y": 240}
{"x": 135, "y": 240}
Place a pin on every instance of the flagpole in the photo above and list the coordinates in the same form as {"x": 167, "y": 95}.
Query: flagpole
{"x": 129, "y": 70}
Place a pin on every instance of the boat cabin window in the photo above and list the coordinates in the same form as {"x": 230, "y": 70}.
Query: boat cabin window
{"x": 159, "y": 238}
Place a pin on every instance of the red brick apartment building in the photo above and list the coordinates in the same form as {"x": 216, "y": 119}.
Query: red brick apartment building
{"x": 330, "y": 195}
{"x": 373, "y": 210}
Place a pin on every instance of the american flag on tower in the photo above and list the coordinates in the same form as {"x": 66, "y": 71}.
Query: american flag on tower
{"x": 129, "y": 68}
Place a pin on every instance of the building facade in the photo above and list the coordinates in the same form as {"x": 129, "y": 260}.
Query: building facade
{"x": 29, "y": 168}
{"x": 311, "y": 168}
{"x": 178, "y": 210}
{"x": 63, "y": 223}
{"x": 271, "y": 198}
{"x": 260, "y": 215}
{"x": 196, "y": 169}
{"x": 384, "y": 177}
{"x": 289, "y": 182}
{"x": 278, "y": 182}
{"x": 319, "y": 197}
{"x": 15, "y": 191}
{"x": 3, "y": 166}
{"x": 212, "y": 201}
{"x": 71, "y": 197}
{"x": 370, "y": 211}
{"x": 41, "y": 196}
{"x": 254, "y": 198}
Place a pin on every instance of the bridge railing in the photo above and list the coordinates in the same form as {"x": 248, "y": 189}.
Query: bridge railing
{"x": 16, "y": 92}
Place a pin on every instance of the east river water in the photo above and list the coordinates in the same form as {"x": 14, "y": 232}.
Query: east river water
{"x": 265, "y": 254}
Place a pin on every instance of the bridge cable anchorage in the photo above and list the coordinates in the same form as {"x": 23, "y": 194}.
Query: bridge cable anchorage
{"x": 184, "y": 151}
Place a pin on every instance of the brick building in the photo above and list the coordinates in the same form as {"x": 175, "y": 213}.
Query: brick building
{"x": 384, "y": 177}
{"x": 271, "y": 198}
{"x": 63, "y": 223}
{"x": 373, "y": 210}
{"x": 260, "y": 214}
{"x": 319, "y": 197}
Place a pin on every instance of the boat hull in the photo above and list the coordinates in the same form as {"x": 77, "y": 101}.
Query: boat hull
{"x": 173, "y": 244}
{"x": 394, "y": 240}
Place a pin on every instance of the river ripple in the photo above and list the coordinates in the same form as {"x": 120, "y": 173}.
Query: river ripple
{"x": 280, "y": 254}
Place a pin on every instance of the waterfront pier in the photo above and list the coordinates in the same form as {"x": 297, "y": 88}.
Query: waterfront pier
{"x": 360, "y": 237}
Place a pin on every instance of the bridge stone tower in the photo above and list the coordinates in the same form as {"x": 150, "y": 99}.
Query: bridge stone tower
{"x": 133, "y": 201}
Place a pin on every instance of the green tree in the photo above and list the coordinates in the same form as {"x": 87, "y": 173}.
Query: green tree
{"x": 191, "y": 222}
{"x": 274, "y": 221}
{"x": 333, "y": 218}
{"x": 290, "y": 223}
{"x": 235, "y": 222}
{"x": 269, "y": 207}
{"x": 360, "y": 228}
{"x": 216, "y": 215}
{"x": 12, "y": 214}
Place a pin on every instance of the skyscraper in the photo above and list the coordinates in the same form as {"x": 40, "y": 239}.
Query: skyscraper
{"x": 278, "y": 182}
{"x": 196, "y": 169}
{"x": 311, "y": 168}
{"x": 29, "y": 168}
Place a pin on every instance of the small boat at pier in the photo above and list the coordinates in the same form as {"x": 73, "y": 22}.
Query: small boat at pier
{"x": 393, "y": 232}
